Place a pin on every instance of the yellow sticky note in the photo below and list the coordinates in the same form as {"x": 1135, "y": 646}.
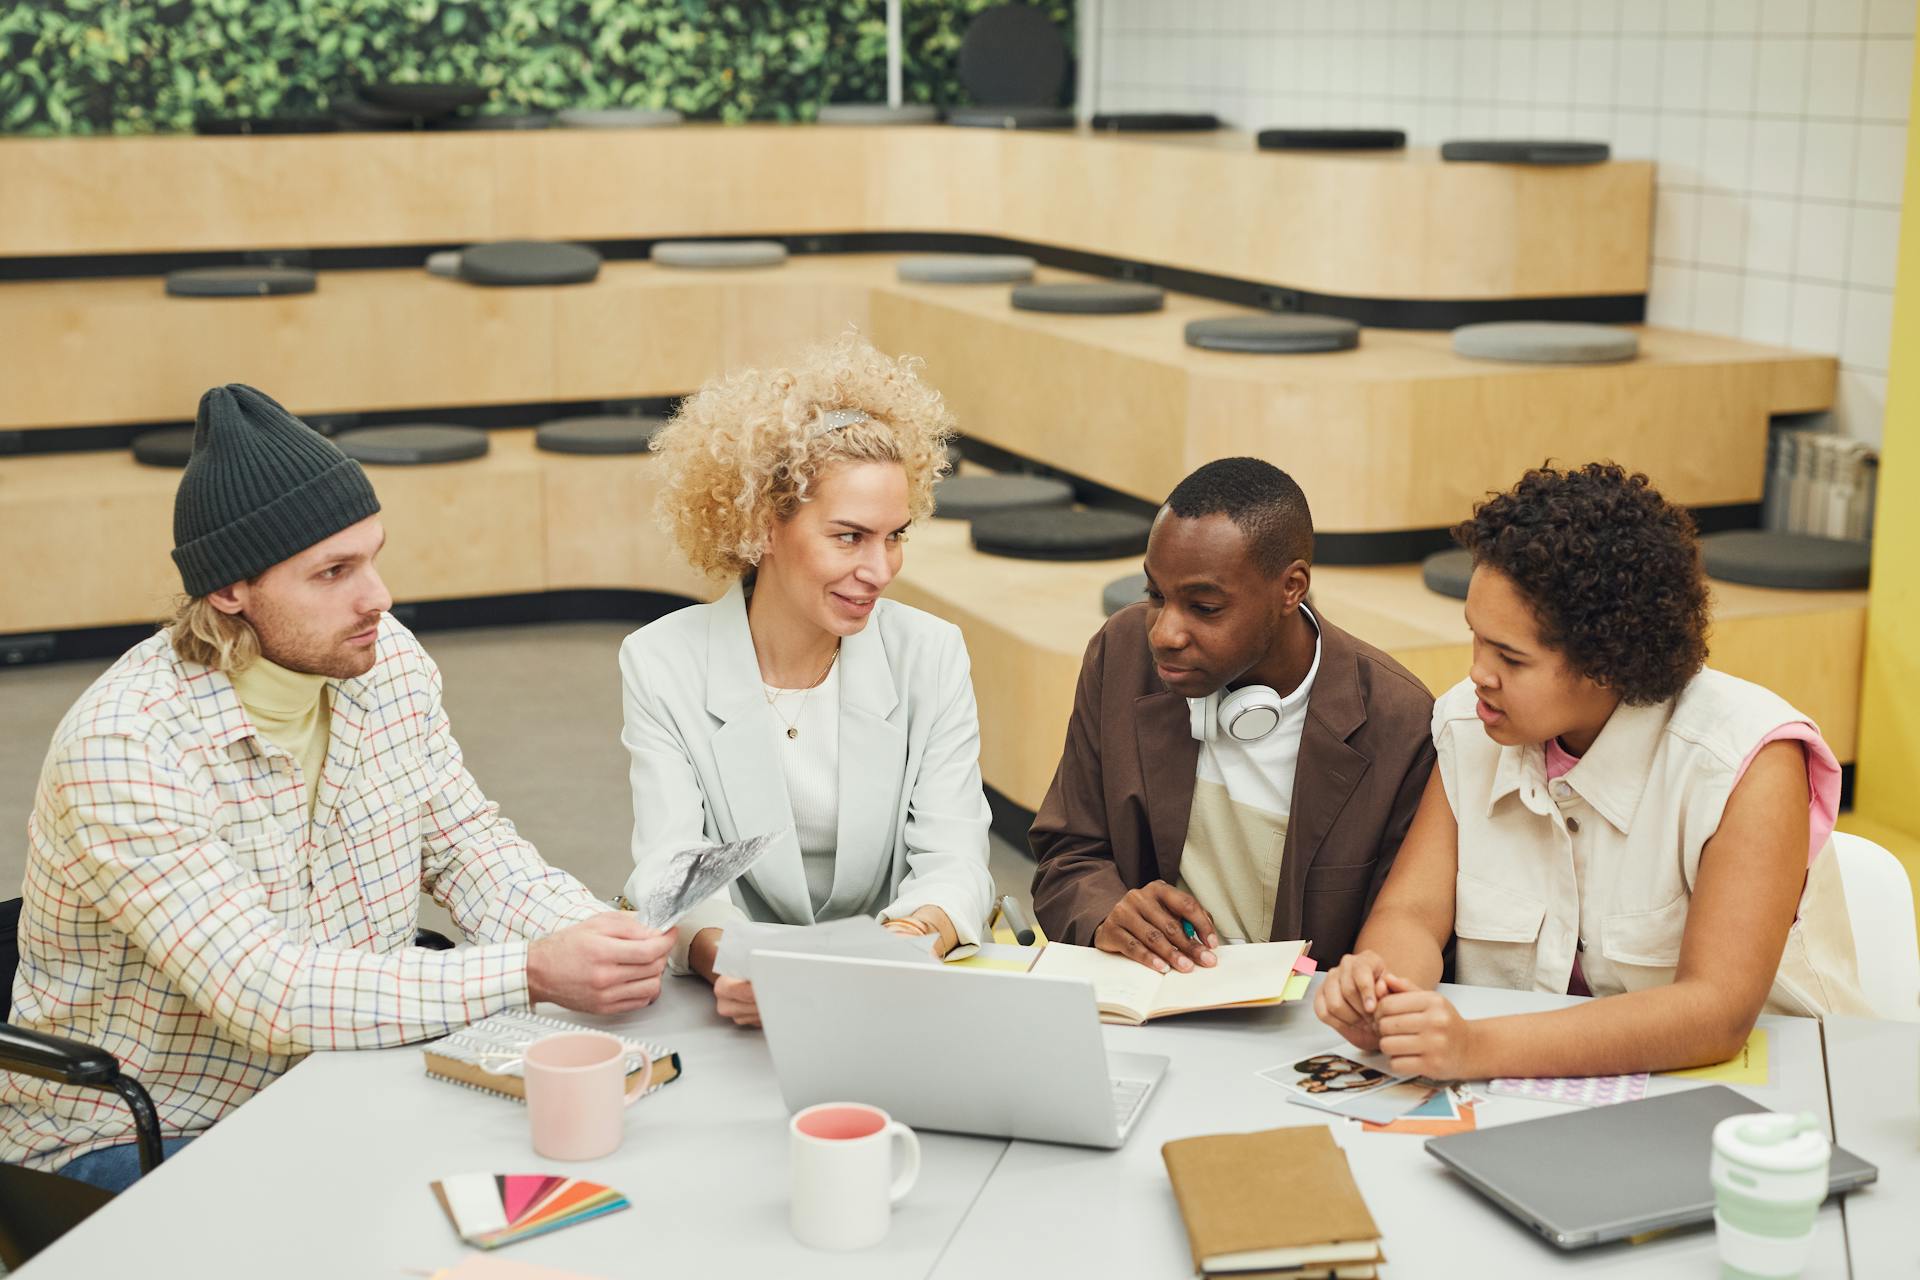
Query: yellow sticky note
{"x": 1296, "y": 986}
{"x": 1749, "y": 1066}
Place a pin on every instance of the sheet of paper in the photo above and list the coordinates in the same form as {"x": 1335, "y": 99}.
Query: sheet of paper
{"x": 1575, "y": 1091}
{"x": 1251, "y": 971}
{"x": 996, "y": 955}
{"x": 1117, "y": 981}
{"x": 860, "y": 937}
{"x": 1749, "y": 1066}
{"x": 694, "y": 875}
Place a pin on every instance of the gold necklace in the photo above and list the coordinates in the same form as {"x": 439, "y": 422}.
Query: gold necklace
{"x": 773, "y": 701}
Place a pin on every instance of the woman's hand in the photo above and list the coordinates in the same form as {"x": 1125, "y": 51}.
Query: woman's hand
{"x": 1423, "y": 1033}
{"x": 926, "y": 922}
{"x": 733, "y": 998}
{"x": 1350, "y": 994}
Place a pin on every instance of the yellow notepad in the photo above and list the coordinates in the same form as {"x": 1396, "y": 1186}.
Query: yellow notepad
{"x": 1255, "y": 973}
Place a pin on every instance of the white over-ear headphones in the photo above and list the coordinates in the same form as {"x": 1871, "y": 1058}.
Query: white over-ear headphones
{"x": 1245, "y": 715}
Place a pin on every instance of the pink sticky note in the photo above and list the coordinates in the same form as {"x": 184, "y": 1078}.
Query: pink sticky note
{"x": 1306, "y": 964}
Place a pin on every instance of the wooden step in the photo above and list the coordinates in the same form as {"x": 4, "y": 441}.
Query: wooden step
{"x": 1399, "y": 434}
{"x": 1387, "y": 225}
{"x": 97, "y": 527}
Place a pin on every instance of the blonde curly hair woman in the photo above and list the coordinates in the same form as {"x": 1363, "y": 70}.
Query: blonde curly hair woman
{"x": 801, "y": 703}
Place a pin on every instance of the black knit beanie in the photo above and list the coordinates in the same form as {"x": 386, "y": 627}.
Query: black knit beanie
{"x": 261, "y": 486}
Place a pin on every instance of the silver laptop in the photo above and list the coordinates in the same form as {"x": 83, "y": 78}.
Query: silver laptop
{"x": 1007, "y": 1055}
{"x": 1611, "y": 1172}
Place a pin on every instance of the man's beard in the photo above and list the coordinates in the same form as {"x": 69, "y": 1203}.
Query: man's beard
{"x": 285, "y": 646}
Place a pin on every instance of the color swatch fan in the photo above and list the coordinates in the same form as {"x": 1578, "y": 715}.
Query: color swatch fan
{"x": 492, "y": 1209}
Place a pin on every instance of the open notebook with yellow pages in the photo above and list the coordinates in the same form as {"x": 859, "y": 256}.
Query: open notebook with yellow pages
{"x": 1253, "y": 973}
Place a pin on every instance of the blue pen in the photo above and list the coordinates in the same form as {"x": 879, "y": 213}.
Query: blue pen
{"x": 1186, "y": 927}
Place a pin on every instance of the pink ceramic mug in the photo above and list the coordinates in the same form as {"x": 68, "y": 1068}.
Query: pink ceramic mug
{"x": 577, "y": 1093}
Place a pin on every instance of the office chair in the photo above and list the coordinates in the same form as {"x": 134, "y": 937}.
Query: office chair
{"x": 38, "y": 1207}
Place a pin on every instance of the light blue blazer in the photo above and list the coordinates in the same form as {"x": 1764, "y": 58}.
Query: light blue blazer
{"x": 913, "y": 817}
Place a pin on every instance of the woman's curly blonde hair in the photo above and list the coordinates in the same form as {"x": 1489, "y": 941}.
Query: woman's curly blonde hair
{"x": 744, "y": 450}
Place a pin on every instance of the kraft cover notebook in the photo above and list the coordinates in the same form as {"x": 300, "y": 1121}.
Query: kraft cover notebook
{"x": 1253, "y": 973}
{"x": 487, "y": 1055}
{"x": 1271, "y": 1202}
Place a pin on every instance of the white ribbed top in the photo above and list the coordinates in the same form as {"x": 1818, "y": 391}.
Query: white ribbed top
{"x": 811, "y": 763}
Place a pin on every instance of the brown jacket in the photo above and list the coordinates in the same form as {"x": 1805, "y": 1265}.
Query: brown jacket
{"x": 1115, "y": 817}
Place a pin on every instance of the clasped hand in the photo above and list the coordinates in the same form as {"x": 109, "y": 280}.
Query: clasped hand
{"x": 1419, "y": 1031}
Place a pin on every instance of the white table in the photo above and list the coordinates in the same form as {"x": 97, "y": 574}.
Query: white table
{"x": 325, "y": 1173}
{"x": 1873, "y": 1075}
{"x": 1076, "y": 1212}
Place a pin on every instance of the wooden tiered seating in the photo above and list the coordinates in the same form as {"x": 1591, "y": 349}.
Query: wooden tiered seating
{"x": 1400, "y": 434}
{"x": 1394, "y": 225}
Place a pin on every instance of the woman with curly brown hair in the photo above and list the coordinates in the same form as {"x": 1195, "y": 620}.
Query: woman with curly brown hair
{"x": 801, "y": 703}
{"x": 1609, "y": 817}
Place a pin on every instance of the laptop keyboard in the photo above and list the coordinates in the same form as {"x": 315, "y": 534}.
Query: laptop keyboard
{"x": 1127, "y": 1097}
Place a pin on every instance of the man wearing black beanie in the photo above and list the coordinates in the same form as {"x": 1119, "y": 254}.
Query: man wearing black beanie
{"x": 235, "y": 823}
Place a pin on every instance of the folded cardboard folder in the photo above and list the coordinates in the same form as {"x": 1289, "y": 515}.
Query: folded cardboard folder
{"x": 1128, "y": 992}
{"x": 1281, "y": 1202}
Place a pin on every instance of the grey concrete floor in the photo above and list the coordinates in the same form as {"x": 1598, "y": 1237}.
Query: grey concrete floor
{"x": 536, "y": 710}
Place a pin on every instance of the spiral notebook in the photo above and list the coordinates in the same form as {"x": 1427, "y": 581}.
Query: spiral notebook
{"x": 488, "y": 1055}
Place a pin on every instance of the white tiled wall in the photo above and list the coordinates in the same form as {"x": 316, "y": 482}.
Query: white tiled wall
{"x": 1778, "y": 126}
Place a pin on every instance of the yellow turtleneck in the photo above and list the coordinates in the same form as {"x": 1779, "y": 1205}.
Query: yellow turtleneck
{"x": 290, "y": 709}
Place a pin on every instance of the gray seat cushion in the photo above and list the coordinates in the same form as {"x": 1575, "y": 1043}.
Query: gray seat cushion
{"x": 1102, "y": 298}
{"x": 528, "y": 262}
{"x": 1448, "y": 572}
{"x": 1525, "y": 151}
{"x": 168, "y": 448}
{"x": 608, "y": 433}
{"x": 966, "y": 497}
{"x": 1291, "y": 334}
{"x": 617, "y": 118}
{"x": 1304, "y": 139}
{"x": 1121, "y": 592}
{"x": 719, "y": 253}
{"x": 1045, "y": 533}
{"x": 1009, "y": 117}
{"x": 1789, "y": 561}
{"x": 878, "y": 113}
{"x": 239, "y": 282}
{"x": 967, "y": 268}
{"x": 412, "y": 444}
{"x": 1546, "y": 342}
{"x": 1155, "y": 121}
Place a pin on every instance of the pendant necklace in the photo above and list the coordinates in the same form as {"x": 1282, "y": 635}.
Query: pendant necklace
{"x": 773, "y": 700}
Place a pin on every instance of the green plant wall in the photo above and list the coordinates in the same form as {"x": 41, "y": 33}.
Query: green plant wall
{"x": 138, "y": 66}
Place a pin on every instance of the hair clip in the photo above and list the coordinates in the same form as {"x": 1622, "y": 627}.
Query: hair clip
{"x": 836, "y": 419}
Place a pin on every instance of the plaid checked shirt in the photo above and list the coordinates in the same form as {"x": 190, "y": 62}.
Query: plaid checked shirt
{"x": 182, "y": 913}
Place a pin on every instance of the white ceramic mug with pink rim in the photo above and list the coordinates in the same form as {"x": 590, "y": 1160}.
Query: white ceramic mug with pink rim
{"x": 844, "y": 1186}
{"x": 577, "y": 1093}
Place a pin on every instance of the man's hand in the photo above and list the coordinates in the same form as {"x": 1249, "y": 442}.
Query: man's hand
{"x": 609, "y": 963}
{"x": 1349, "y": 995}
{"x": 1145, "y": 926}
{"x": 1423, "y": 1033}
